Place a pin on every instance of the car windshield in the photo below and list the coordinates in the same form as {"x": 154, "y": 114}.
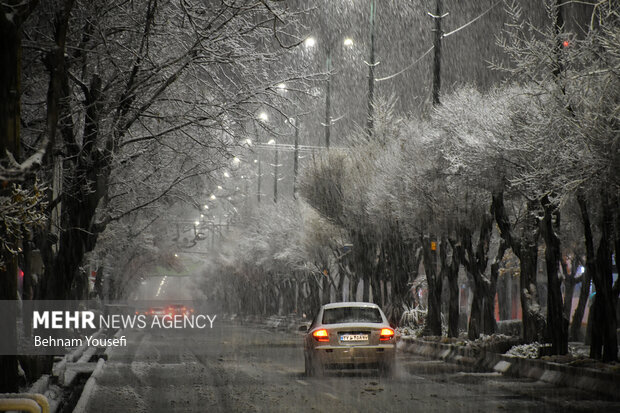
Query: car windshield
{"x": 351, "y": 315}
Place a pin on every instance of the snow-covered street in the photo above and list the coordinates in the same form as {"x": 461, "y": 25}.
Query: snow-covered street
{"x": 245, "y": 368}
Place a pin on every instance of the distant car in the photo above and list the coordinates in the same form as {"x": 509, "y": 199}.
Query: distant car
{"x": 349, "y": 335}
{"x": 157, "y": 312}
{"x": 178, "y": 309}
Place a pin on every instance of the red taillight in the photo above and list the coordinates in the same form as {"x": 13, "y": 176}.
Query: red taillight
{"x": 321, "y": 335}
{"x": 386, "y": 334}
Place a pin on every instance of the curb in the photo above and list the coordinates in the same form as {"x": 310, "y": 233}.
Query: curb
{"x": 583, "y": 378}
{"x": 89, "y": 387}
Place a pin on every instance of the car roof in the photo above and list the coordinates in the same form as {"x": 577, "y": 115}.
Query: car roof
{"x": 350, "y": 304}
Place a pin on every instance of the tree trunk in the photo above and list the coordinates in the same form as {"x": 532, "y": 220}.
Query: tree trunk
{"x": 353, "y": 284}
{"x": 533, "y": 322}
{"x": 603, "y": 339}
{"x": 366, "y": 288}
{"x": 525, "y": 248}
{"x": 570, "y": 280}
{"x": 584, "y": 292}
{"x": 490, "y": 325}
{"x": 326, "y": 288}
{"x": 482, "y": 316}
{"x": 340, "y": 289}
{"x": 8, "y": 326}
{"x": 452, "y": 275}
{"x": 433, "y": 317}
{"x": 376, "y": 289}
{"x": 475, "y": 314}
{"x": 557, "y": 324}
{"x": 10, "y": 116}
{"x": 504, "y": 298}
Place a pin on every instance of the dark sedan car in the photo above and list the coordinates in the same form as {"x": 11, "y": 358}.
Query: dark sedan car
{"x": 349, "y": 335}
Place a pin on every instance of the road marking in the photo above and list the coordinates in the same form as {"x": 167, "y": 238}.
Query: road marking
{"x": 331, "y": 395}
{"x": 301, "y": 382}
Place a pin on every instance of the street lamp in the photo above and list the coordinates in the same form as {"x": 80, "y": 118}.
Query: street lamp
{"x": 275, "y": 171}
{"x": 347, "y": 42}
{"x": 293, "y": 122}
{"x": 310, "y": 42}
{"x": 262, "y": 117}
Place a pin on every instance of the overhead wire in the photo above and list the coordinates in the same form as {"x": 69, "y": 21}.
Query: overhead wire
{"x": 432, "y": 47}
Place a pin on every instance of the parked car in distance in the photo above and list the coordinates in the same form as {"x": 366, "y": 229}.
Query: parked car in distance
{"x": 349, "y": 335}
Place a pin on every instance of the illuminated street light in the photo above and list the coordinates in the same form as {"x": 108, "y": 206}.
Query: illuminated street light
{"x": 206, "y": 206}
{"x": 226, "y": 175}
{"x": 212, "y": 196}
{"x": 271, "y": 142}
{"x": 219, "y": 187}
{"x": 255, "y": 160}
{"x": 310, "y": 42}
{"x": 236, "y": 160}
{"x": 196, "y": 223}
{"x": 348, "y": 42}
{"x": 263, "y": 116}
{"x": 281, "y": 86}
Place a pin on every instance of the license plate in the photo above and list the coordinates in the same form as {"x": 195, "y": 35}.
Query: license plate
{"x": 354, "y": 337}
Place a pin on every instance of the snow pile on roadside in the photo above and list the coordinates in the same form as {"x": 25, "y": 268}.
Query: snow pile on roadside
{"x": 535, "y": 351}
{"x": 485, "y": 339}
{"x": 528, "y": 351}
{"x": 410, "y": 331}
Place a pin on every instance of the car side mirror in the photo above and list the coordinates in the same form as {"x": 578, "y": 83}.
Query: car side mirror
{"x": 303, "y": 328}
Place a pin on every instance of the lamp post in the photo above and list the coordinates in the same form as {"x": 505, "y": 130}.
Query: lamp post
{"x": 262, "y": 117}
{"x": 295, "y": 124}
{"x": 310, "y": 43}
{"x": 275, "y": 171}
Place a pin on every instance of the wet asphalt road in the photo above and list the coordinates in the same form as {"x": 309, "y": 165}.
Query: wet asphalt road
{"x": 234, "y": 368}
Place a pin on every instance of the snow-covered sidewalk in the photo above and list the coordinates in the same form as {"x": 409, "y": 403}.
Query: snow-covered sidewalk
{"x": 496, "y": 354}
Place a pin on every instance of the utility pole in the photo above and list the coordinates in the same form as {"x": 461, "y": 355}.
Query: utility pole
{"x": 371, "y": 71}
{"x": 259, "y": 175}
{"x": 437, "y": 48}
